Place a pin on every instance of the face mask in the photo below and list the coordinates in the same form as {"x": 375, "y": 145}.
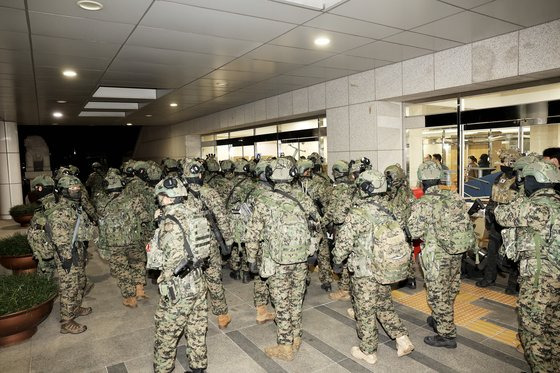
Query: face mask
{"x": 45, "y": 191}
{"x": 531, "y": 185}
{"x": 507, "y": 170}
{"x": 426, "y": 184}
{"x": 194, "y": 180}
{"x": 75, "y": 195}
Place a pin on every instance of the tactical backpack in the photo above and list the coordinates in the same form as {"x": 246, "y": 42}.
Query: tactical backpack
{"x": 119, "y": 226}
{"x": 454, "y": 231}
{"x": 288, "y": 237}
{"x": 382, "y": 251}
{"x": 41, "y": 245}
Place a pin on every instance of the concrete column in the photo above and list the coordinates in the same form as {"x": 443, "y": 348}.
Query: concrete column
{"x": 10, "y": 171}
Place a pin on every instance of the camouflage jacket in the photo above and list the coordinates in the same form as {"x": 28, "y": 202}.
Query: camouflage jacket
{"x": 318, "y": 190}
{"x": 215, "y": 204}
{"x": 341, "y": 200}
{"x": 400, "y": 203}
{"x": 95, "y": 183}
{"x": 121, "y": 219}
{"x": 239, "y": 187}
{"x": 534, "y": 217}
{"x": 37, "y": 237}
{"x": 139, "y": 188}
{"x": 218, "y": 182}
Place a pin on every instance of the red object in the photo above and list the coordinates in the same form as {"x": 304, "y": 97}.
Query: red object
{"x": 418, "y": 192}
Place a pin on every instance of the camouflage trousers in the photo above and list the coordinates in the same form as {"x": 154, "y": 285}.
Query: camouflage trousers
{"x": 539, "y": 322}
{"x": 411, "y": 270}
{"x": 344, "y": 279}
{"x": 213, "y": 277}
{"x": 372, "y": 301}
{"x": 442, "y": 289}
{"x": 128, "y": 266}
{"x": 287, "y": 288}
{"x": 261, "y": 293}
{"x": 71, "y": 286}
{"x": 238, "y": 258}
{"x": 188, "y": 316}
{"x": 47, "y": 268}
{"x": 324, "y": 259}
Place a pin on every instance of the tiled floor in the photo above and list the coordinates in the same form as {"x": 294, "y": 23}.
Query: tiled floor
{"x": 121, "y": 339}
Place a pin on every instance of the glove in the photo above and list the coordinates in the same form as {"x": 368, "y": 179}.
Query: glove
{"x": 253, "y": 267}
{"x": 337, "y": 268}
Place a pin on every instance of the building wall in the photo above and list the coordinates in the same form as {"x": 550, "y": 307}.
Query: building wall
{"x": 10, "y": 171}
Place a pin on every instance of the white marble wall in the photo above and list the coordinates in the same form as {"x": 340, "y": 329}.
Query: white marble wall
{"x": 10, "y": 171}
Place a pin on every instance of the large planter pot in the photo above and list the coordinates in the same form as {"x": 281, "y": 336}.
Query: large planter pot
{"x": 19, "y": 264}
{"x": 23, "y": 220}
{"x": 22, "y": 325}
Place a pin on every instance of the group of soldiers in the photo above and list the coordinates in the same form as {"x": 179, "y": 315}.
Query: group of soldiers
{"x": 275, "y": 220}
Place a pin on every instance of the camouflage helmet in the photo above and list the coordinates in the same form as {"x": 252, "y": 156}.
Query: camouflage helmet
{"x": 212, "y": 164}
{"x": 253, "y": 165}
{"x": 291, "y": 159}
{"x": 192, "y": 167}
{"x": 340, "y": 168}
{"x": 67, "y": 181}
{"x": 141, "y": 169}
{"x": 96, "y": 166}
{"x": 154, "y": 171}
{"x": 429, "y": 170}
{"x": 112, "y": 182}
{"x": 544, "y": 172}
{"x": 227, "y": 166}
{"x": 304, "y": 165}
{"x": 316, "y": 158}
{"x": 526, "y": 160}
{"x": 261, "y": 166}
{"x": 61, "y": 171}
{"x": 113, "y": 171}
{"x": 73, "y": 170}
{"x": 281, "y": 170}
{"x": 127, "y": 167}
{"x": 43, "y": 180}
{"x": 357, "y": 167}
{"x": 371, "y": 182}
{"x": 509, "y": 156}
{"x": 395, "y": 175}
{"x": 242, "y": 166}
{"x": 171, "y": 187}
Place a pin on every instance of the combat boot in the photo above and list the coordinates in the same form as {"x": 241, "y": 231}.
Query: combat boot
{"x": 297, "y": 344}
{"x": 83, "y": 311}
{"x": 358, "y": 354}
{"x": 340, "y": 295}
{"x": 130, "y": 302}
{"x": 140, "y": 293}
{"x": 283, "y": 352}
{"x": 404, "y": 346}
{"x": 439, "y": 341}
{"x": 432, "y": 323}
{"x": 72, "y": 327}
{"x": 263, "y": 315}
{"x": 246, "y": 277}
{"x": 411, "y": 283}
{"x": 196, "y": 370}
{"x": 351, "y": 313}
{"x": 223, "y": 321}
{"x": 485, "y": 283}
{"x": 326, "y": 286}
{"x": 235, "y": 275}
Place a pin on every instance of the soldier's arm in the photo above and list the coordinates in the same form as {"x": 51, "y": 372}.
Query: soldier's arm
{"x": 254, "y": 230}
{"x": 353, "y": 225}
{"x": 418, "y": 219}
{"x": 171, "y": 243}
{"x": 217, "y": 205}
{"x": 522, "y": 213}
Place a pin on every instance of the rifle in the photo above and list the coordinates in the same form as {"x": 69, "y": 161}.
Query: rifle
{"x": 477, "y": 205}
{"x": 186, "y": 266}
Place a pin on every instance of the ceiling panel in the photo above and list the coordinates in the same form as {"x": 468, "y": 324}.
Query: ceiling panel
{"x": 341, "y": 61}
{"x": 403, "y": 14}
{"x": 71, "y": 47}
{"x": 139, "y": 80}
{"x": 467, "y": 27}
{"x": 466, "y": 4}
{"x": 16, "y": 70}
{"x": 14, "y": 40}
{"x": 239, "y": 75}
{"x": 124, "y": 11}
{"x": 259, "y": 66}
{"x": 522, "y": 12}
{"x": 388, "y": 51}
{"x": 71, "y": 62}
{"x": 79, "y": 28}
{"x": 13, "y": 3}
{"x": 171, "y": 57}
{"x": 19, "y": 59}
{"x": 13, "y": 20}
{"x": 301, "y": 81}
{"x": 288, "y": 55}
{"x": 158, "y": 69}
{"x": 422, "y": 41}
{"x": 352, "y": 26}
{"x": 258, "y": 8}
{"x": 323, "y": 73}
{"x": 212, "y": 22}
{"x": 167, "y": 39}
{"x": 304, "y": 37}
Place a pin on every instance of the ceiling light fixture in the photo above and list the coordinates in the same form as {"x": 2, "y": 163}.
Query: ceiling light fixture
{"x": 57, "y": 114}
{"x": 313, "y": 4}
{"x": 61, "y": 101}
{"x": 89, "y": 5}
{"x": 126, "y": 93}
{"x": 322, "y": 41}
{"x": 69, "y": 73}
{"x": 148, "y": 115}
{"x": 221, "y": 84}
{"x": 173, "y": 104}
{"x": 129, "y": 124}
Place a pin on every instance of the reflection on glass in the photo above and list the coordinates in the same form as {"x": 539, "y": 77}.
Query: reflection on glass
{"x": 222, "y": 152}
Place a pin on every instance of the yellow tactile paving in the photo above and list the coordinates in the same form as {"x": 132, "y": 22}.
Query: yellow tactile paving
{"x": 468, "y": 314}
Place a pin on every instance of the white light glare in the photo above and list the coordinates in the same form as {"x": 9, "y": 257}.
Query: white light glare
{"x": 322, "y": 41}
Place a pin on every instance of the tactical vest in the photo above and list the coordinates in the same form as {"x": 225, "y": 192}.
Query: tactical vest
{"x": 41, "y": 245}
{"x": 381, "y": 251}
{"x": 502, "y": 189}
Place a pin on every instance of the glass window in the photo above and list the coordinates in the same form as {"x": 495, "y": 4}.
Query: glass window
{"x": 267, "y": 148}
{"x": 235, "y": 152}
{"x": 206, "y": 138}
{"x": 308, "y": 147}
{"x": 298, "y": 126}
{"x": 222, "y": 152}
{"x": 206, "y": 150}
{"x": 431, "y": 108}
{"x": 248, "y": 151}
{"x": 222, "y": 136}
{"x": 265, "y": 130}
{"x": 243, "y": 133}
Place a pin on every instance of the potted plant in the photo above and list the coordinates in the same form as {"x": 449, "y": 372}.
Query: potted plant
{"x": 16, "y": 254}
{"x": 23, "y": 214}
{"x": 25, "y": 301}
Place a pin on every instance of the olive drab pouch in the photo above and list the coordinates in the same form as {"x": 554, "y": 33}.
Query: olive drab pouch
{"x": 510, "y": 246}
{"x": 40, "y": 243}
{"x": 430, "y": 260}
{"x": 453, "y": 226}
{"x": 546, "y": 246}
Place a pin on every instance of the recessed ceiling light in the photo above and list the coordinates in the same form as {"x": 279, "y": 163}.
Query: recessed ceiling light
{"x": 322, "y": 41}
{"x": 173, "y": 104}
{"x": 126, "y": 93}
{"x": 148, "y": 115}
{"x": 89, "y": 5}
{"x": 61, "y": 101}
{"x": 221, "y": 84}
{"x": 57, "y": 114}
{"x": 69, "y": 73}
{"x": 107, "y": 114}
{"x": 129, "y": 124}
{"x": 112, "y": 105}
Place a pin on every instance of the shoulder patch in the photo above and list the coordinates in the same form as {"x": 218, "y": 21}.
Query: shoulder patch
{"x": 168, "y": 227}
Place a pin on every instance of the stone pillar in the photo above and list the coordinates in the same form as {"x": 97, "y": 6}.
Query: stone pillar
{"x": 10, "y": 171}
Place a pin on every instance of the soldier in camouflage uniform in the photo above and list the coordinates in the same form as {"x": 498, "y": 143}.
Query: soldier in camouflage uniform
{"x": 442, "y": 271}
{"x": 68, "y": 228}
{"x": 170, "y": 167}
{"x": 94, "y": 182}
{"x": 154, "y": 173}
{"x": 86, "y": 203}
{"x": 504, "y": 190}
{"x": 371, "y": 298}
{"x": 400, "y": 199}
{"x": 127, "y": 171}
{"x": 235, "y": 203}
{"x": 212, "y": 203}
{"x": 43, "y": 249}
{"x": 536, "y": 244}
{"x": 285, "y": 220}
{"x": 180, "y": 249}
{"x": 120, "y": 232}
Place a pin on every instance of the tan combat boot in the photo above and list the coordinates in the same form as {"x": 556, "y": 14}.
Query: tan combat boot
{"x": 340, "y": 295}
{"x": 83, "y": 311}
{"x": 283, "y": 352}
{"x": 297, "y": 344}
{"x": 263, "y": 315}
{"x": 351, "y": 313}
{"x": 130, "y": 302}
{"x": 223, "y": 321}
{"x": 359, "y": 354}
{"x": 140, "y": 294}
{"x": 72, "y": 327}
{"x": 404, "y": 346}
